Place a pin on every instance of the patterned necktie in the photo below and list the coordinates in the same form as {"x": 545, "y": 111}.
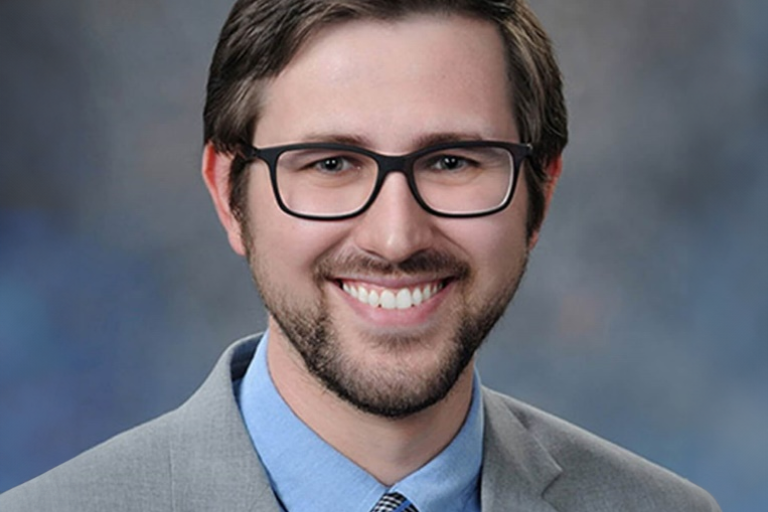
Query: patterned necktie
{"x": 394, "y": 502}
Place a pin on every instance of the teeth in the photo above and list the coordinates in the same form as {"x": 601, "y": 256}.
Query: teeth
{"x": 388, "y": 300}
{"x": 403, "y": 298}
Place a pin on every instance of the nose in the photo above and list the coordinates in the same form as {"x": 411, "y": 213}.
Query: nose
{"x": 395, "y": 227}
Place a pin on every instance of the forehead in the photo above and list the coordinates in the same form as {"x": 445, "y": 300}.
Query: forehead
{"x": 392, "y": 81}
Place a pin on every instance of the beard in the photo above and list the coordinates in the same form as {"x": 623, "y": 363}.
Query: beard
{"x": 385, "y": 390}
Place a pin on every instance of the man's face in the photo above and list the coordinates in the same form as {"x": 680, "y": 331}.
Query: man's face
{"x": 391, "y": 87}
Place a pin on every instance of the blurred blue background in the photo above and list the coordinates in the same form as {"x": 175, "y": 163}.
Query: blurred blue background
{"x": 644, "y": 315}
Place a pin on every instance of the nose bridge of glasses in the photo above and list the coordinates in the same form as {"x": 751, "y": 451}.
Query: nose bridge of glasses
{"x": 388, "y": 164}
{"x": 398, "y": 163}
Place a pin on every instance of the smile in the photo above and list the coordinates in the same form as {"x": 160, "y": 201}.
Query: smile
{"x": 389, "y": 298}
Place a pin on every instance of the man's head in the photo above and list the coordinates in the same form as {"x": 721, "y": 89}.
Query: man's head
{"x": 386, "y": 308}
{"x": 260, "y": 37}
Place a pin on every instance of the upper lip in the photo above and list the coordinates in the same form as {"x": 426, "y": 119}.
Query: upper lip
{"x": 393, "y": 282}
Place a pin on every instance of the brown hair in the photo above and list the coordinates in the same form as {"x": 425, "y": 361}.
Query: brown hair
{"x": 260, "y": 37}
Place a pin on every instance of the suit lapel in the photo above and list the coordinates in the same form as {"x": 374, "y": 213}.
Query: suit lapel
{"x": 516, "y": 468}
{"x": 215, "y": 466}
{"x": 213, "y": 462}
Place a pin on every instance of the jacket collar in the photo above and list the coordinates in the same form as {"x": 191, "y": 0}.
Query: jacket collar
{"x": 517, "y": 469}
{"x": 215, "y": 466}
{"x": 212, "y": 460}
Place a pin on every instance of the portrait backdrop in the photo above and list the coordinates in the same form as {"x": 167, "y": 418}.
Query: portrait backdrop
{"x": 643, "y": 316}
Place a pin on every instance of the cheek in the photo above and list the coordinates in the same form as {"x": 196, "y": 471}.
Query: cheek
{"x": 496, "y": 245}
{"x": 285, "y": 246}
{"x": 493, "y": 245}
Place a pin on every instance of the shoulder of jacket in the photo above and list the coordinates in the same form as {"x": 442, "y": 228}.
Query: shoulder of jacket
{"x": 129, "y": 472}
{"x": 133, "y": 471}
{"x": 595, "y": 470}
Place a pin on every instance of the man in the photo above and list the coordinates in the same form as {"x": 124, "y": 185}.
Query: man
{"x": 385, "y": 167}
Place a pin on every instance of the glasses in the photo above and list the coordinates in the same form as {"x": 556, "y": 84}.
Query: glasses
{"x": 326, "y": 181}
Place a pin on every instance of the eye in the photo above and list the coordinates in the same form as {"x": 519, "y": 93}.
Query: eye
{"x": 449, "y": 163}
{"x": 333, "y": 164}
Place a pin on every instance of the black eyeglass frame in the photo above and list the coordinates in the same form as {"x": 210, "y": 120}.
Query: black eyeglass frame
{"x": 387, "y": 164}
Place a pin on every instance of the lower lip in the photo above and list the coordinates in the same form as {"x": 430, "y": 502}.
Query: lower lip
{"x": 415, "y": 316}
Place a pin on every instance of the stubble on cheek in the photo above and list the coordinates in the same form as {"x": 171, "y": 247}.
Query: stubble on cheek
{"x": 380, "y": 376}
{"x": 374, "y": 372}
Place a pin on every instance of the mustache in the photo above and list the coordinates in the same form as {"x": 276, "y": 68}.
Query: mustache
{"x": 428, "y": 261}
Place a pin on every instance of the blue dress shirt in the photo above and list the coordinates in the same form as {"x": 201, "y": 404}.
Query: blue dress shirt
{"x": 309, "y": 475}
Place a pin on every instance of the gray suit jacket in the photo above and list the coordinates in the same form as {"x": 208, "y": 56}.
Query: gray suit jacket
{"x": 200, "y": 458}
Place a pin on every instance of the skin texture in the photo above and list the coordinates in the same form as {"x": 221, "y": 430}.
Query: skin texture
{"x": 403, "y": 378}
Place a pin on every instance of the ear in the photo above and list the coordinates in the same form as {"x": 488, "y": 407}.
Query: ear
{"x": 216, "y": 169}
{"x": 553, "y": 171}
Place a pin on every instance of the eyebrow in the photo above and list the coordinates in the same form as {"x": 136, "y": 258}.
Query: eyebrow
{"x": 422, "y": 141}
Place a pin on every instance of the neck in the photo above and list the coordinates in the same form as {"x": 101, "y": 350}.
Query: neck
{"x": 388, "y": 449}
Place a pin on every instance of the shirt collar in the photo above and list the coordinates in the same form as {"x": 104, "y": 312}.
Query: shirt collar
{"x": 307, "y": 473}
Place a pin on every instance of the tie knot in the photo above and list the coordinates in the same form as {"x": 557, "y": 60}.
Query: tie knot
{"x": 394, "y": 502}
